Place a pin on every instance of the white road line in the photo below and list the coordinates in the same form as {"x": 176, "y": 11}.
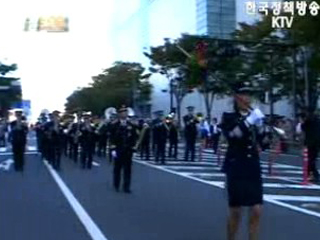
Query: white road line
{"x": 268, "y": 198}
{"x": 95, "y": 164}
{"x": 279, "y": 185}
{"x": 206, "y": 174}
{"x": 294, "y": 198}
{"x": 93, "y": 230}
{"x": 189, "y": 167}
{"x": 32, "y": 148}
{"x": 294, "y": 186}
{"x": 10, "y": 153}
{"x": 295, "y": 208}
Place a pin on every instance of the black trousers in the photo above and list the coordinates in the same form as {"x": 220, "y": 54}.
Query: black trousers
{"x": 87, "y": 155}
{"x": 55, "y": 155}
{"x": 145, "y": 150}
{"x": 102, "y": 146}
{"x": 39, "y": 143}
{"x": 3, "y": 141}
{"x": 75, "y": 151}
{"x": 215, "y": 143}
{"x": 45, "y": 148}
{"x": 18, "y": 156}
{"x": 123, "y": 163}
{"x": 161, "y": 151}
{"x": 312, "y": 164}
{"x": 190, "y": 148}
{"x": 65, "y": 145}
{"x": 173, "y": 147}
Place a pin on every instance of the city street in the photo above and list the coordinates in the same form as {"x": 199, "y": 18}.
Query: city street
{"x": 178, "y": 201}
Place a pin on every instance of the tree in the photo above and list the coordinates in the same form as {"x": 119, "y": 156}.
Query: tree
{"x": 305, "y": 35}
{"x": 10, "y": 89}
{"x": 168, "y": 61}
{"x": 123, "y": 83}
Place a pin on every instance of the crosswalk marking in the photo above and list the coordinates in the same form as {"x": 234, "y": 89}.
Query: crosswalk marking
{"x": 286, "y": 179}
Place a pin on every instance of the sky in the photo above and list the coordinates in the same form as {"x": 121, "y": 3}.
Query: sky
{"x": 52, "y": 65}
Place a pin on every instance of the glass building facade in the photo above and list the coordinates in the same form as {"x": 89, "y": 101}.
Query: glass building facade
{"x": 216, "y": 18}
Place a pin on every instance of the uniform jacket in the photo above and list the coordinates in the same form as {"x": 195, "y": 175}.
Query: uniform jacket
{"x": 242, "y": 156}
{"x": 53, "y": 135}
{"x": 88, "y": 136}
{"x": 123, "y": 138}
{"x": 190, "y": 123}
{"x": 18, "y": 134}
{"x": 160, "y": 131}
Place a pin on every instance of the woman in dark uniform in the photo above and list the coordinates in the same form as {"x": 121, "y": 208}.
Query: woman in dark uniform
{"x": 242, "y": 166}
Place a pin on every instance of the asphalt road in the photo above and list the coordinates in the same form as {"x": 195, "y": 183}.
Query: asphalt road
{"x": 178, "y": 201}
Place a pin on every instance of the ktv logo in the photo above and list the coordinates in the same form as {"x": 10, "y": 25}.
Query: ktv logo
{"x": 282, "y": 13}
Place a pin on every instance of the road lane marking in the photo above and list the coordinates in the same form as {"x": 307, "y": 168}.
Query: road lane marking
{"x": 294, "y": 208}
{"x": 268, "y": 198}
{"x": 32, "y": 148}
{"x": 93, "y": 230}
{"x": 5, "y": 165}
{"x": 294, "y": 198}
{"x": 10, "y": 153}
{"x": 95, "y": 164}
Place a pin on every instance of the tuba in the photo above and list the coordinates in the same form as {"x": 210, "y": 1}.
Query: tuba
{"x": 109, "y": 112}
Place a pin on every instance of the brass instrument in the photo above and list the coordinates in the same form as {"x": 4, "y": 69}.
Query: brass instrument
{"x": 78, "y": 132}
{"x": 141, "y": 135}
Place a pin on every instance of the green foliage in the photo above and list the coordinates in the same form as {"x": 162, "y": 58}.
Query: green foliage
{"x": 8, "y": 96}
{"x": 123, "y": 83}
{"x": 304, "y": 33}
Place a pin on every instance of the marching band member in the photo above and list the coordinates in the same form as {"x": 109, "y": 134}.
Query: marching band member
{"x": 173, "y": 137}
{"x": 102, "y": 134}
{"x": 74, "y": 132}
{"x": 242, "y": 166}
{"x": 54, "y": 131}
{"x": 160, "y": 131}
{"x": 145, "y": 143}
{"x": 191, "y": 132}
{"x": 87, "y": 141}
{"x": 18, "y": 138}
{"x": 123, "y": 139}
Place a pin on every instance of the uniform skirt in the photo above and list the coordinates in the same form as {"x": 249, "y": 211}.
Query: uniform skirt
{"x": 244, "y": 192}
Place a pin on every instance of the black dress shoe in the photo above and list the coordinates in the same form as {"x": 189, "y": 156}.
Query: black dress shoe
{"x": 127, "y": 191}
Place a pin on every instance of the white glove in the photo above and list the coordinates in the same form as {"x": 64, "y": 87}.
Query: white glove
{"x": 114, "y": 154}
{"x": 255, "y": 117}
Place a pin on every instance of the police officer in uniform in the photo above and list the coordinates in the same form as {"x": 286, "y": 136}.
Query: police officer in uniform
{"x": 190, "y": 132}
{"x": 123, "y": 139}
{"x": 18, "y": 138}
{"x": 87, "y": 141}
{"x": 54, "y": 132}
{"x": 242, "y": 166}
